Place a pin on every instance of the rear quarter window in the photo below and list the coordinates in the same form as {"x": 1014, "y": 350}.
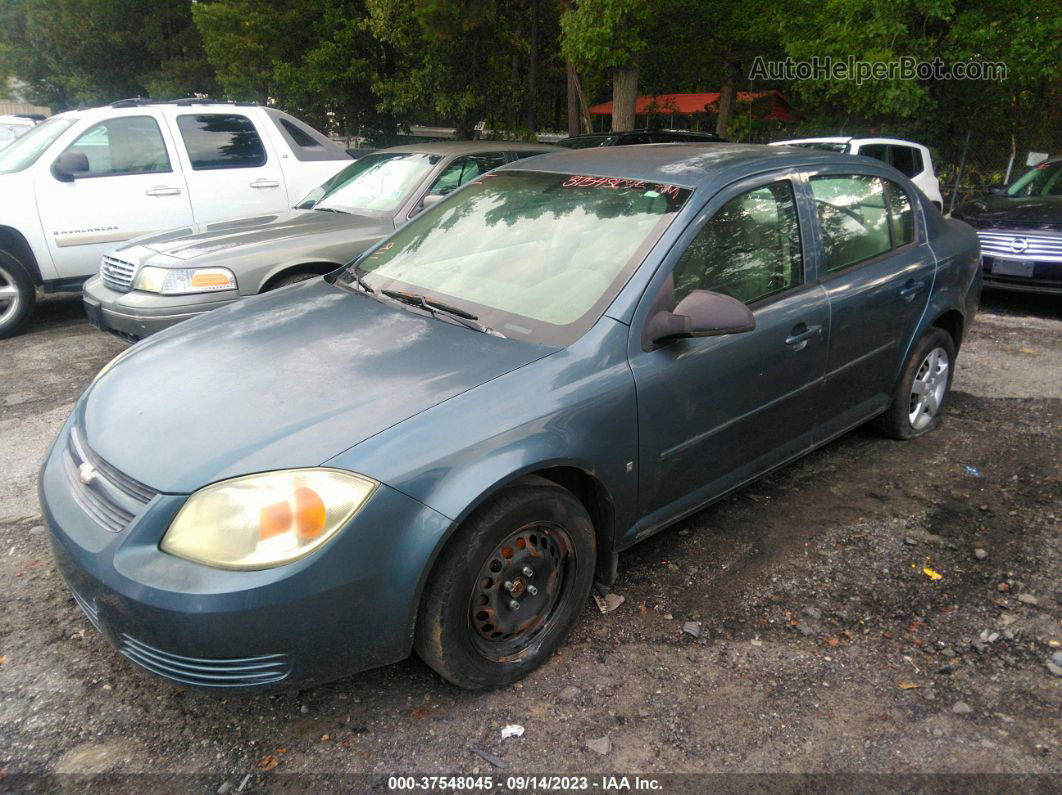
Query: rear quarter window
{"x": 221, "y": 140}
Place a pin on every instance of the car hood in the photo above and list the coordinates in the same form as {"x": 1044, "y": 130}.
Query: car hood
{"x": 1001, "y": 212}
{"x": 263, "y": 230}
{"x": 287, "y": 379}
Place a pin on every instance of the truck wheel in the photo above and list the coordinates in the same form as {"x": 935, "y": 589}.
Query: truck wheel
{"x": 919, "y": 402}
{"x": 17, "y": 294}
{"x": 507, "y": 588}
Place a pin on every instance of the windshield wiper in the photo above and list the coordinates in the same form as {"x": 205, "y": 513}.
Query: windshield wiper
{"x": 466, "y": 319}
{"x": 330, "y": 210}
{"x": 356, "y": 275}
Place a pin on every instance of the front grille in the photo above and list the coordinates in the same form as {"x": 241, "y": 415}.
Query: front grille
{"x": 117, "y": 273}
{"x": 1017, "y": 245}
{"x": 95, "y": 497}
{"x": 89, "y": 608}
{"x": 206, "y": 672}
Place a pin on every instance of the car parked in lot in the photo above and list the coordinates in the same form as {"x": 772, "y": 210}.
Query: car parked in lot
{"x": 644, "y": 135}
{"x": 912, "y": 160}
{"x": 443, "y": 444}
{"x": 84, "y": 180}
{"x": 13, "y": 126}
{"x": 158, "y": 280}
{"x": 1021, "y": 231}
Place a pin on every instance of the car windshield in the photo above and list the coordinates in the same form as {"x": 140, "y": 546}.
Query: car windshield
{"x": 24, "y": 150}
{"x": 378, "y": 183}
{"x": 534, "y": 256}
{"x": 1043, "y": 180}
{"x": 586, "y": 141}
{"x": 825, "y": 146}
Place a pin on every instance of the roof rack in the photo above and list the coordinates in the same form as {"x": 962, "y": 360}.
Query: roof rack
{"x": 136, "y": 102}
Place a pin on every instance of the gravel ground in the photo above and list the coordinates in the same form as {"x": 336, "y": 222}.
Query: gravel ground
{"x": 824, "y": 644}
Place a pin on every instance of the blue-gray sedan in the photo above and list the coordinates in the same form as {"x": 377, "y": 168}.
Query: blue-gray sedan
{"x": 441, "y": 446}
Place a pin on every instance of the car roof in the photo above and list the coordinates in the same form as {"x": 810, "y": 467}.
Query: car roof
{"x": 468, "y": 147}
{"x": 687, "y": 165}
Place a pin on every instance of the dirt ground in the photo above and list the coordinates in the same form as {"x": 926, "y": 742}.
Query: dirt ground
{"x": 826, "y": 645}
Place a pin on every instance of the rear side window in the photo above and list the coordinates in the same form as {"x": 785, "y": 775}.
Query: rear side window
{"x": 876, "y": 151}
{"x": 521, "y": 155}
{"x": 907, "y": 160}
{"x": 221, "y": 140}
{"x": 750, "y": 249}
{"x": 853, "y": 218}
{"x": 463, "y": 169}
{"x": 124, "y": 145}
{"x": 901, "y": 216}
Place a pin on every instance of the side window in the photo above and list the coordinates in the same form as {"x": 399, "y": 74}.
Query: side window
{"x": 901, "y": 216}
{"x": 906, "y": 160}
{"x": 749, "y": 250}
{"x": 463, "y": 169}
{"x": 221, "y": 140}
{"x": 853, "y": 218}
{"x": 635, "y": 138}
{"x": 876, "y": 151}
{"x": 521, "y": 155}
{"x": 124, "y": 145}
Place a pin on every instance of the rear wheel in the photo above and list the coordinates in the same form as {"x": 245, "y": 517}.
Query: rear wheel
{"x": 507, "y": 588}
{"x": 17, "y": 294}
{"x": 923, "y": 389}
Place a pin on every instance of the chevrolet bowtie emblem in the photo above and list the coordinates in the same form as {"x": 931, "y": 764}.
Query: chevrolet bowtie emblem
{"x": 86, "y": 473}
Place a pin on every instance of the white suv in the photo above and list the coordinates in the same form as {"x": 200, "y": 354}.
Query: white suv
{"x": 82, "y": 181}
{"x": 910, "y": 159}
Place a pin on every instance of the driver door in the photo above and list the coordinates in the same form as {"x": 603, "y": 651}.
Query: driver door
{"x": 714, "y": 412}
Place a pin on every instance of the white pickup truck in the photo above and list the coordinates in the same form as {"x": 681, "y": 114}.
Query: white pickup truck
{"x": 84, "y": 180}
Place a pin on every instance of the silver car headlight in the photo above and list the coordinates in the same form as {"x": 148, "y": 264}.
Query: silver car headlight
{"x": 266, "y": 520}
{"x": 184, "y": 281}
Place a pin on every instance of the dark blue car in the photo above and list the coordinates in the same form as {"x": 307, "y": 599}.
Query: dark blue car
{"x": 441, "y": 446}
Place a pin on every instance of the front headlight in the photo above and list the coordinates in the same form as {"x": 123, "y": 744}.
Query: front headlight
{"x": 266, "y": 520}
{"x": 184, "y": 281}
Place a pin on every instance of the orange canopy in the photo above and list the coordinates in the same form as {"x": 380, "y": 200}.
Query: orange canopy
{"x": 777, "y": 108}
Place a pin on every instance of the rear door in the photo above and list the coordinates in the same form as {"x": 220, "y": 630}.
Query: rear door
{"x": 878, "y": 272}
{"x": 714, "y": 412}
{"x": 230, "y": 168}
{"x": 133, "y": 186}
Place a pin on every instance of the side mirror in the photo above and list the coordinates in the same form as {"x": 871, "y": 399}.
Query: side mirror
{"x": 68, "y": 165}
{"x": 427, "y": 201}
{"x": 702, "y": 313}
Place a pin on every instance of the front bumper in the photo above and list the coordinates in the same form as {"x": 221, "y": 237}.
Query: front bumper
{"x": 1026, "y": 276}
{"x": 138, "y": 314}
{"x": 349, "y": 606}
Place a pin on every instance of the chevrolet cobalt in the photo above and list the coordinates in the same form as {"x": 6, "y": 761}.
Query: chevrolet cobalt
{"x": 441, "y": 446}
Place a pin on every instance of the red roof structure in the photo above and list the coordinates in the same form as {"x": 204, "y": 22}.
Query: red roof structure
{"x": 768, "y": 105}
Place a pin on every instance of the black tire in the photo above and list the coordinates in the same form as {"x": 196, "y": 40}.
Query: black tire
{"x": 544, "y": 528}
{"x": 896, "y": 423}
{"x": 293, "y": 278}
{"x": 17, "y": 309}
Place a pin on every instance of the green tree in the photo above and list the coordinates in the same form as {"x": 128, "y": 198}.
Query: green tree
{"x": 91, "y": 51}
{"x": 610, "y": 35}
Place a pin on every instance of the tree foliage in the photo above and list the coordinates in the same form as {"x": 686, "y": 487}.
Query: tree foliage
{"x": 73, "y": 51}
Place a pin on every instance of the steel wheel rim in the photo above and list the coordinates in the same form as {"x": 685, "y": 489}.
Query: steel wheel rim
{"x": 10, "y": 300}
{"x": 927, "y": 390}
{"x": 498, "y": 631}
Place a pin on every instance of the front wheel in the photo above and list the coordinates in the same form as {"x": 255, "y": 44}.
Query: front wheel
{"x": 17, "y": 294}
{"x": 507, "y": 588}
{"x": 919, "y": 402}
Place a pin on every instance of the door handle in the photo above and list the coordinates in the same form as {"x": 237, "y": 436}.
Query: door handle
{"x": 265, "y": 183}
{"x": 799, "y": 336}
{"x": 162, "y": 190}
{"x": 911, "y": 289}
